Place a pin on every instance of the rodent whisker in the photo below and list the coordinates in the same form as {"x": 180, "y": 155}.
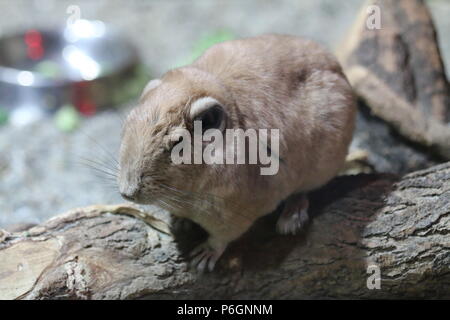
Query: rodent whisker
{"x": 189, "y": 198}
{"x": 105, "y": 163}
{"x": 110, "y": 155}
{"x": 102, "y": 173}
{"x": 165, "y": 205}
{"x": 99, "y": 164}
{"x": 106, "y": 174}
{"x": 202, "y": 202}
{"x": 109, "y": 185}
{"x": 103, "y": 177}
{"x": 181, "y": 199}
{"x": 193, "y": 205}
{"x": 197, "y": 200}
{"x": 175, "y": 198}
{"x": 101, "y": 170}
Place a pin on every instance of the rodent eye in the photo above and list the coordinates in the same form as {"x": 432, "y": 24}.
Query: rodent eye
{"x": 212, "y": 118}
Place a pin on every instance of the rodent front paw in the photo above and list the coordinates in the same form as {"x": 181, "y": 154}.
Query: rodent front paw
{"x": 294, "y": 216}
{"x": 205, "y": 256}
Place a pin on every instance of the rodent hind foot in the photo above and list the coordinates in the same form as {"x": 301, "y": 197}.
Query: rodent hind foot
{"x": 205, "y": 257}
{"x": 294, "y": 216}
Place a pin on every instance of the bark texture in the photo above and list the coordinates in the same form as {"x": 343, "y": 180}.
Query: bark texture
{"x": 401, "y": 225}
{"x": 398, "y": 72}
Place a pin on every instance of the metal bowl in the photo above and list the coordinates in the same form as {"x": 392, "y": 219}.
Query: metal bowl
{"x": 83, "y": 64}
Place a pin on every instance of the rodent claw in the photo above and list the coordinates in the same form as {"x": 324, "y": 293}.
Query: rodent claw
{"x": 204, "y": 257}
{"x": 212, "y": 262}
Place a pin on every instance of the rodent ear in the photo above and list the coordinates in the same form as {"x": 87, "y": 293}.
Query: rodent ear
{"x": 151, "y": 85}
{"x": 210, "y": 112}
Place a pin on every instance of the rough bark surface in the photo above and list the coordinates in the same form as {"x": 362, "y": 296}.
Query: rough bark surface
{"x": 398, "y": 71}
{"x": 402, "y": 225}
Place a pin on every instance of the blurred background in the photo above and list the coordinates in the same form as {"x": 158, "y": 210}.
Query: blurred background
{"x": 47, "y": 158}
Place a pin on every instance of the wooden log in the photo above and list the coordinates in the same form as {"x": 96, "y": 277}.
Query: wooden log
{"x": 360, "y": 223}
{"x": 398, "y": 72}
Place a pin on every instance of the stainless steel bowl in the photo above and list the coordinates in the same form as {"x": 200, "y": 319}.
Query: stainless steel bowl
{"x": 84, "y": 64}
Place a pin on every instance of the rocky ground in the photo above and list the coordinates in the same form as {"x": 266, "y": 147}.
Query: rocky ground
{"x": 43, "y": 171}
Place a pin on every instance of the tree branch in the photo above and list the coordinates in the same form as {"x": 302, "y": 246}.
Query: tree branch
{"x": 118, "y": 252}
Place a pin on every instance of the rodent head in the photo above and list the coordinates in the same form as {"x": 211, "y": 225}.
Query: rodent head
{"x": 167, "y": 107}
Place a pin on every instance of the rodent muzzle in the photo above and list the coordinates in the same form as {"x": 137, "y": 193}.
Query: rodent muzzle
{"x": 128, "y": 197}
{"x": 130, "y": 194}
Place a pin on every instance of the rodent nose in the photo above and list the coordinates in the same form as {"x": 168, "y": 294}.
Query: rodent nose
{"x": 127, "y": 197}
{"x": 130, "y": 195}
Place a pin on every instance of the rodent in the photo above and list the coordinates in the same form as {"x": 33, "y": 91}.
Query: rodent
{"x": 269, "y": 81}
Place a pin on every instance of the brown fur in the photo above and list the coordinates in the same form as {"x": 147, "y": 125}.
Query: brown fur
{"x": 271, "y": 81}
